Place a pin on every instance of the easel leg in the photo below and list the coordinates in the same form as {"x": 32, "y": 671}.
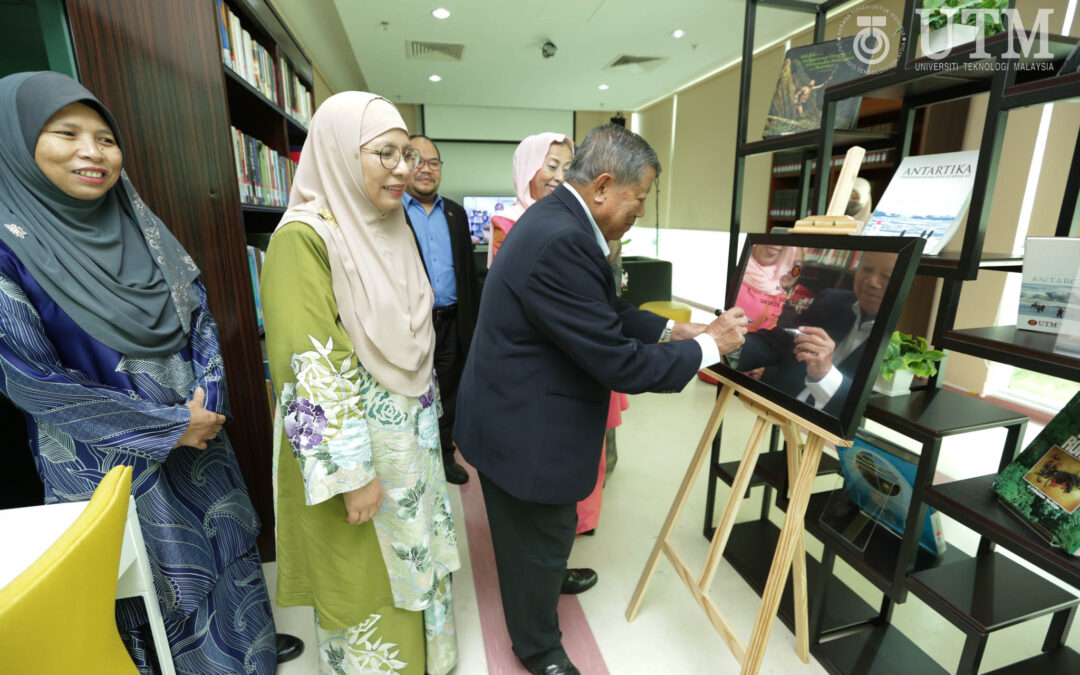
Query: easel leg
{"x": 798, "y": 561}
{"x": 680, "y": 500}
{"x": 731, "y": 509}
{"x": 790, "y": 536}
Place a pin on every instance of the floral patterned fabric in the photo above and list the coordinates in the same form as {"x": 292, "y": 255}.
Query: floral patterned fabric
{"x": 336, "y": 430}
{"x": 370, "y": 648}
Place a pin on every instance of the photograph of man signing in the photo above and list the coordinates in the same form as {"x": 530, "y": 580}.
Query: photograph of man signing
{"x": 813, "y": 355}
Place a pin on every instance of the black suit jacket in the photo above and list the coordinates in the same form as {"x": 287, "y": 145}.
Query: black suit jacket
{"x": 831, "y": 310}
{"x": 551, "y": 344}
{"x": 468, "y": 282}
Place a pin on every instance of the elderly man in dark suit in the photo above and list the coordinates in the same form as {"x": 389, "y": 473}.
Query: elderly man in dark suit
{"x": 551, "y": 343}
{"x": 817, "y": 362}
{"x": 442, "y": 235}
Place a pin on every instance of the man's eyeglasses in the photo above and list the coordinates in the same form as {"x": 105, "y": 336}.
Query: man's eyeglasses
{"x": 391, "y": 155}
{"x": 434, "y": 164}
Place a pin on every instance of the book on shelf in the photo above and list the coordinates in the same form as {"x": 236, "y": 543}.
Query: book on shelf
{"x": 879, "y": 477}
{"x": 296, "y": 98}
{"x": 264, "y": 176}
{"x": 1050, "y": 273}
{"x": 831, "y": 257}
{"x": 1068, "y": 337}
{"x": 243, "y": 54}
{"x": 800, "y": 90}
{"x": 255, "y": 260}
{"x": 927, "y": 197}
{"x": 785, "y": 204}
{"x": 1042, "y": 485}
{"x": 790, "y": 164}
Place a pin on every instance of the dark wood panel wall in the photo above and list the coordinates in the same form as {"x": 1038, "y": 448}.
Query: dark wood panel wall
{"x": 157, "y": 66}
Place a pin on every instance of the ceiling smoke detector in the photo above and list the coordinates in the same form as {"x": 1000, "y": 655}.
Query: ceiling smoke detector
{"x": 635, "y": 64}
{"x": 417, "y": 50}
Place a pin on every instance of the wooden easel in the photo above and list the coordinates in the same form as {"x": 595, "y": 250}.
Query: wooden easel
{"x": 802, "y": 463}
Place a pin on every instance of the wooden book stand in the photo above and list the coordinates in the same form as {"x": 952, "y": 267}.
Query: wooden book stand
{"x": 834, "y": 221}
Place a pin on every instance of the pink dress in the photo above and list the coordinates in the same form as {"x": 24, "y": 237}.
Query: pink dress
{"x": 588, "y": 509}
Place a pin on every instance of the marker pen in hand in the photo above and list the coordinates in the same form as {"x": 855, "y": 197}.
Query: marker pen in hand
{"x": 718, "y": 312}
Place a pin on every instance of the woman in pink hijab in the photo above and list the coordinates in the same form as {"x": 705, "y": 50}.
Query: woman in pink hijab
{"x": 540, "y": 162}
{"x": 771, "y": 273}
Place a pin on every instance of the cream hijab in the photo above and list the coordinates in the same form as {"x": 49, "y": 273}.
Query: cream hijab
{"x": 383, "y": 295}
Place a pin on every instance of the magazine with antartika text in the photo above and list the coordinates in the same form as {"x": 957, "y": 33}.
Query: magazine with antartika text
{"x": 1050, "y": 270}
{"x": 927, "y": 197}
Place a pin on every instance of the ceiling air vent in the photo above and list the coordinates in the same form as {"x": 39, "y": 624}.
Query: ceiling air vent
{"x": 637, "y": 64}
{"x": 433, "y": 51}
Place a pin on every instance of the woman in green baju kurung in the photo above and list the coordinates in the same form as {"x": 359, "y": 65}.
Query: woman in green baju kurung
{"x": 364, "y": 528}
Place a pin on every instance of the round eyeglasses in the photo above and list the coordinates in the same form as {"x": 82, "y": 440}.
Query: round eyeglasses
{"x": 391, "y": 155}
{"x": 434, "y": 163}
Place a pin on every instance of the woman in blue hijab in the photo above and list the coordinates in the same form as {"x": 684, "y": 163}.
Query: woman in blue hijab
{"x": 107, "y": 345}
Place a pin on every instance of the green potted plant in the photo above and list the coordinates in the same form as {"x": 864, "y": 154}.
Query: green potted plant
{"x": 905, "y": 357}
{"x": 963, "y": 31}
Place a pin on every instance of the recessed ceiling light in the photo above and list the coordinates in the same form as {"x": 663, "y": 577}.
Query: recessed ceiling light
{"x": 441, "y": 13}
{"x": 435, "y": 78}
{"x": 603, "y": 87}
{"x": 678, "y": 33}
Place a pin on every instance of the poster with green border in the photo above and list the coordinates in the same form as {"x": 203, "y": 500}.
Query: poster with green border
{"x": 1042, "y": 485}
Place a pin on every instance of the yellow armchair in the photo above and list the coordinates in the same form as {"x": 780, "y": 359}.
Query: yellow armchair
{"x": 58, "y": 616}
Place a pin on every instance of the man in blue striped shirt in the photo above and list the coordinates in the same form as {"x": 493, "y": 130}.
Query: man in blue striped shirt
{"x": 442, "y": 235}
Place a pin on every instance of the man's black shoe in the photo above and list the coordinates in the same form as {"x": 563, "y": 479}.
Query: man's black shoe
{"x": 288, "y": 647}
{"x": 578, "y": 581}
{"x": 564, "y": 668}
{"x": 456, "y": 474}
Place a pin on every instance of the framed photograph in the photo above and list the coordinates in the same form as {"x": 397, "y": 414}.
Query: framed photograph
{"x": 821, "y": 310}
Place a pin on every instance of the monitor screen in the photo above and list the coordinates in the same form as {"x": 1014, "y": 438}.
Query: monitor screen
{"x": 821, "y": 310}
{"x": 479, "y": 211}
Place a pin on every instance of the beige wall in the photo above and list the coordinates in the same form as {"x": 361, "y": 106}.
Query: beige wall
{"x": 654, "y": 125}
{"x": 323, "y": 90}
{"x": 410, "y": 112}
{"x": 587, "y": 120}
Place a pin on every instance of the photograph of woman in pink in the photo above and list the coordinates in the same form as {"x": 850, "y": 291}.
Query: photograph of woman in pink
{"x": 540, "y": 162}
{"x": 770, "y": 281}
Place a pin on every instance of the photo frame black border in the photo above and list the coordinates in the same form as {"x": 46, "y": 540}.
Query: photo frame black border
{"x": 908, "y": 250}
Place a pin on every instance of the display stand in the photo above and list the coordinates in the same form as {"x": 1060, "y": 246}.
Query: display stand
{"x": 802, "y": 466}
{"x": 835, "y": 221}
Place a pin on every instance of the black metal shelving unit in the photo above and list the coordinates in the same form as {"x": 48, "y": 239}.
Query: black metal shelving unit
{"x": 978, "y": 594}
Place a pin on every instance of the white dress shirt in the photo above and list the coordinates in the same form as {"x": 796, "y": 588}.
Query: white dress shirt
{"x": 824, "y": 389}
